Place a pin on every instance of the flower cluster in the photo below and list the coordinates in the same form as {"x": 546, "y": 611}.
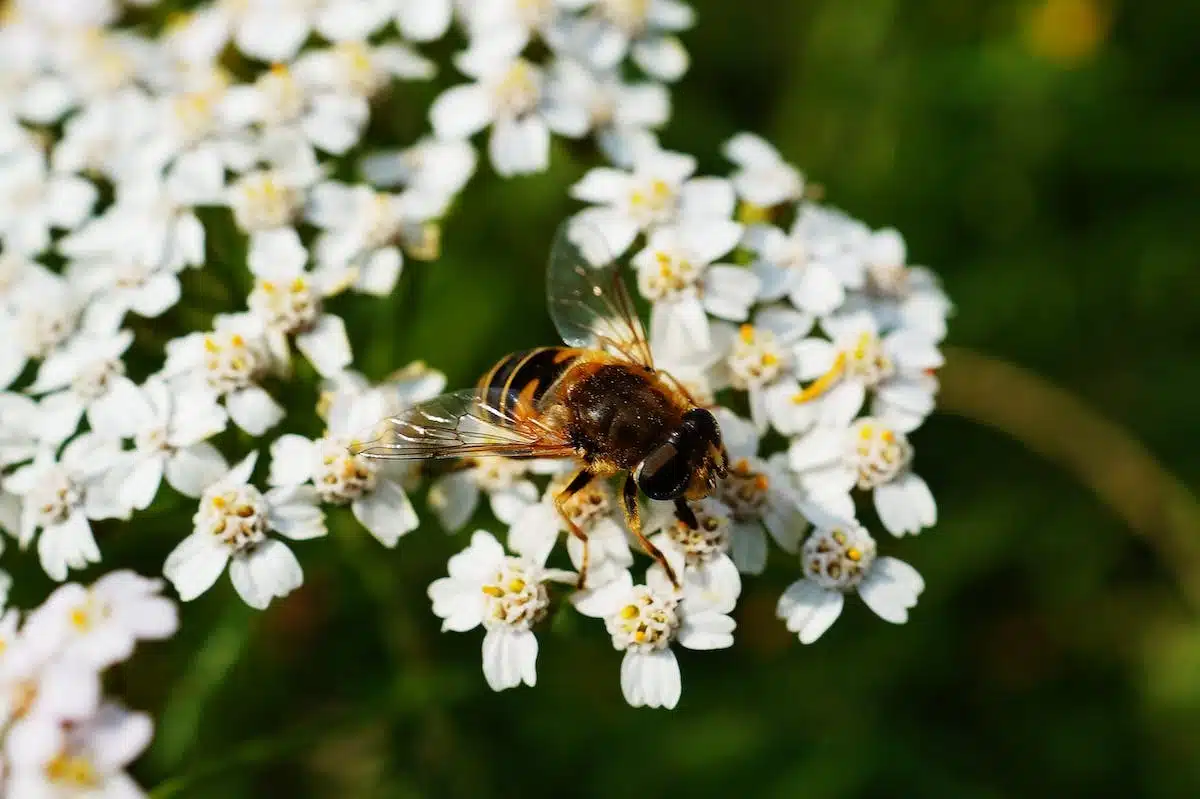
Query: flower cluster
{"x": 141, "y": 156}
{"x": 61, "y": 736}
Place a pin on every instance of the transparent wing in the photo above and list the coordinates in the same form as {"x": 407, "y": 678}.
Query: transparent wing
{"x": 463, "y": 424}
{"x": 588, "y": 300}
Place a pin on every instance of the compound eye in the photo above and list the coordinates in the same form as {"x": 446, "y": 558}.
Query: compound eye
{"x": 664, "y": 474}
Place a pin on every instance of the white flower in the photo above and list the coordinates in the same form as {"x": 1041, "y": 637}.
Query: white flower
{"x": 99, "y": 625}
{"x": 87, "y": 758}
{"x": 759, "y": 494}
{"x": 423, "y": 20}
{"x": 814, "y": 265}
{"x": 358, "y": 71}
{"x": 763, "y": 178}
{"x": 282, "y": 100}
{"x": 43, "y": 312}
{"x": 34, "y": 200}
{"x": 509, "y": 95}
{"x": 896, "y": 368}
{"x": 594, "y": 510}
{"x": 838, "y": 559}
{"x": 870, "y": 455}
{"x": 760, "y": 360}
{"x": 647, "y": 27}
{"x": 287, "y": 302}
{"x": 676, "y": 272}
{"x": 657, "y": 190}
{"x": 60, "y": 497}
{"x": 644, "y": 620}
{"x": 20, "y": 428}
{"x": 273, "y": 31}
{"x": 507, "y": 595}
{"x": 620, "y": 114}
{"x": 227, "y": 364}
{"x": 80, "y": 377}
{"x": 40, "y": 693}
{"x": 231, "y": 528}
{"x": 454, "y": 496}
{"x": 375, "y": 495}
{"x": 902, "y": 295}
{"x": 362, "y": 233}
{"x": 105, "y": 135}
{"x": 169, "y": 441}
{"x": 699, "y": 556}
{"x": 431, "y": 167}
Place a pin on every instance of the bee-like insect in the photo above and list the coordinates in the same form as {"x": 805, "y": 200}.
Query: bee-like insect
{"x": 599, "y": 400}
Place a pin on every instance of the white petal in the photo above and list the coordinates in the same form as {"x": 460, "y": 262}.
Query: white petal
{"x": 817, "y": 291}
{"x": 707, "y": 200}
{"x": 253, "y": 410}
{"x": 423, "y": 20}
{"x": 157, "y": 295}
{"x": 651, "y": 679}
{"x": 601, "y": 185}
{"x": 748, "y": 547}
{"x": 808, "y": 609}
{"x": 519, "y": 147}
{"x": 617, "y": 229}
{"x": 707, "y": 630}
{"x": 294, "y": 511}
{"x": 291, "y": 460}
{"x": 461, "y": 111}
{"x": 141, "y": 484}
{"x": 69, "y": 200}
{"x": 276, "y": 254}
{"x": 891, "y": 589}
{"x": 194, "y": 565}
{"x": 535, "y": 532}
{"x": 509, "y": 503}
{"x": 386, "y": 512}
{"x": 509, "y": 658}
{"x": 458, "y": 602}
{"x": 326, "y": 345}
{"x": 663, "y": 58}
{"x": 272, "y": 34}
{"x": 195, "y": 468}
{"x": 454, "y": 497}
{"x": 270, "y": 570}
{"x": 380, "y": 273}
{"x": 729, "y": 291}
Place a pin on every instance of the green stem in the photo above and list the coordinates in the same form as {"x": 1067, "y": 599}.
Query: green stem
{"x": 1060, "y": 427}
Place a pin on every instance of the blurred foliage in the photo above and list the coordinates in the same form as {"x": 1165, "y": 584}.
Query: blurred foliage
{"x": 1042, "y": 156}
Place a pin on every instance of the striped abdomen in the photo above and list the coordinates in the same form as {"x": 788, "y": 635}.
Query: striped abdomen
{"x": 527, "y": 375}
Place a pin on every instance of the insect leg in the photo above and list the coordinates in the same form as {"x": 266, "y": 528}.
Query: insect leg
{"x": 685, "y": 514}
{"x": 577, "y": 484}
{"x": 634, "y": 519}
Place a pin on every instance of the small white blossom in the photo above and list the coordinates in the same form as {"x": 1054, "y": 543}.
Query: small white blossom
{"x": 656, "y": 190}
{"x": 869, "y": 455}
{"x": 169, "y": 441}
{"x": 99, "y": 625}
{"x": 374, "y": 493}
{"x": 699, "y": 556}
{"x": 227, "y": 364}
{"x": 507, "y": 595}
{"x": 60, "y": 497}
{"x": 230, "y": 528}
{"x": 423, "y": 20}
{"x": 897, "y": 368}
{"x": 841, "y": 558}
{"x": 902, "y": 295}
{"x": 86, "y": 758}
{"x": 594, "y": 510}
{"x": 644, "y": 29}
{"x": 43, "y": 312}
{"x": 644, "y": 620}
{"x": 760, "y": 495}
{"x": 81, "y": 377}
{"x": 676, "y": 272}
{"x": 431, "y": 167}
{"x": 509, "y": 94}
{"x": 763, "y": 178}
{"x": 33, "y": 200}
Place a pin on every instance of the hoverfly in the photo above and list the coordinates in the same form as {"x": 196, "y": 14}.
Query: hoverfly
{"x": 599, "y": 400}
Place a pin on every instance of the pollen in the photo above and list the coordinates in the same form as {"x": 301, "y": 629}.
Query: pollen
{"x": 279, "y": 70}
{"x": 853, "y": 554}
{"x": 629, "y": 612}
{"x": 237, "y": 341}
{"x": 80, "y": 619}
{"x": 211, "y": 345}
{"x": 299, "y": 285}
{"x": 493, "y": 591}
{"x": 747, "y": 333}
{"x": 268, "y": 286}
{"x": 761, "y": 482}
{"x": 219, "y": 502}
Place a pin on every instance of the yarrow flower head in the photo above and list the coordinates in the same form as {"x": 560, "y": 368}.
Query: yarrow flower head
{"x": 505, "y": 594}
{"x": 837, "y": 559}
{"x": 231, "y": 527}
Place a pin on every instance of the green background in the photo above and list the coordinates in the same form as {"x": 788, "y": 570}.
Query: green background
{"x": 1042, "y": 157}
